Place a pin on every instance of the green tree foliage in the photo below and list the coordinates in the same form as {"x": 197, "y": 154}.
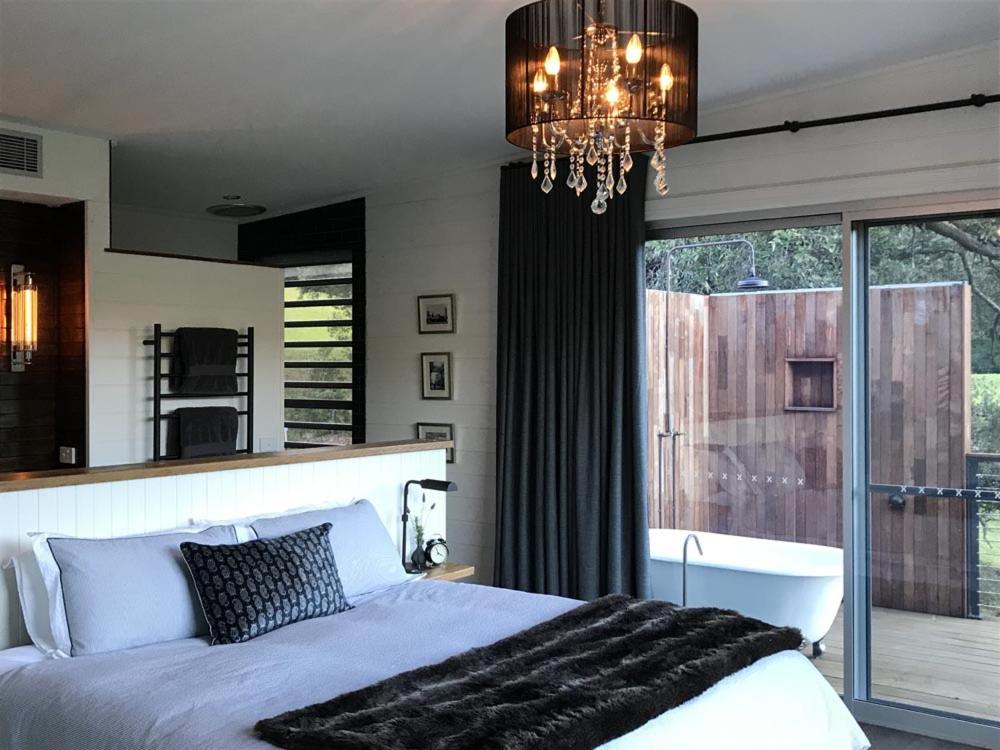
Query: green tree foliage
{"x": 328, "y": 336}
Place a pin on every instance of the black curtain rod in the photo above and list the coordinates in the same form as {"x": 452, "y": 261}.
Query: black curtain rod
{"x": 793, "y": 126}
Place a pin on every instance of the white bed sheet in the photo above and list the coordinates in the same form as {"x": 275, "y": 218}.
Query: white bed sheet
{"x": 17, "y": 657}
{"x": 185, "y": 694}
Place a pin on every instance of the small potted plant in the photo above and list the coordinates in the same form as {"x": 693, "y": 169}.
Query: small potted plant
{"x": 418, "y": 558}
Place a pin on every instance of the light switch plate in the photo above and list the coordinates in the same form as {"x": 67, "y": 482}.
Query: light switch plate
{"x": 67, "y": 454}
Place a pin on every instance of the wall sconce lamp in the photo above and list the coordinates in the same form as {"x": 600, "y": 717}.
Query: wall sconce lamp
{"x": 440, "y": 485}
{"x": 23, "y": 318}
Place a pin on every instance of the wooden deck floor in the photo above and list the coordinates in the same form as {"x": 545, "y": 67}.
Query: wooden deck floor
{"x": 944, "y": 663}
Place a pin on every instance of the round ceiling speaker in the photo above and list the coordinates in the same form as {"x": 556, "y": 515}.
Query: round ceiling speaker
{"x": 236, "y": 210}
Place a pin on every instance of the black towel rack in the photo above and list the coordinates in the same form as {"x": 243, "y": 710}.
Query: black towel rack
{"x": 243, "y": 341}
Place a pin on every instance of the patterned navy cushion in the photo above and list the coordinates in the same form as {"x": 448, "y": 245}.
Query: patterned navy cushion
{"x": 253, "y": 588}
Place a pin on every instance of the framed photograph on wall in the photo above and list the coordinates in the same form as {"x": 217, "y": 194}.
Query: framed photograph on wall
{"x": 436, "y": 313}
{"x": 435, "y": 375}
{"x": 437, "y": 431}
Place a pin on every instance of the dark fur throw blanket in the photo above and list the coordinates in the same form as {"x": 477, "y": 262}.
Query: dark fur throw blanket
{"x": 576, "y": 681}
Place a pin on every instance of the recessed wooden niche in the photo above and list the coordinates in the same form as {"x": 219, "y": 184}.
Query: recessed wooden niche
{"x": 811, "y": 384}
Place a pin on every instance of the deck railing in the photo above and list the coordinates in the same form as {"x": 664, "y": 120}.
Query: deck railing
{"x": 982, "y": 471}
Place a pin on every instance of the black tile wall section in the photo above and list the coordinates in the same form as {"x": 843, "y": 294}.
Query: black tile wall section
{"x": 335, "y": 232}
{"x": 44, "y": 406}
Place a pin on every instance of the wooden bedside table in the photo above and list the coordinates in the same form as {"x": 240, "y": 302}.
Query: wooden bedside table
{"x": 450, "y": 572}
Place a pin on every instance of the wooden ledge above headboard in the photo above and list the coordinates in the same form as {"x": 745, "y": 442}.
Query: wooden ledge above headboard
{"x": 34, "y": 480}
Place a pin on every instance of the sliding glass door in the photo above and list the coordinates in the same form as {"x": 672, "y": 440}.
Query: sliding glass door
{"x": 927, "y": 634}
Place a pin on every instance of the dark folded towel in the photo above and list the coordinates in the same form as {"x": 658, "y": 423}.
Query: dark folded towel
{"x": 204, "y": 361}
{"x": 207, "y": 431}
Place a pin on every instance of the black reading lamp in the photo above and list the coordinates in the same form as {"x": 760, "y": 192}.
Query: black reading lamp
{"x": 441, "y": 485}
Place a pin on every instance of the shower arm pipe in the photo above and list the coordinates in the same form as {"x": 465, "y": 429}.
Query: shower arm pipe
{"x": 719, "y": 243}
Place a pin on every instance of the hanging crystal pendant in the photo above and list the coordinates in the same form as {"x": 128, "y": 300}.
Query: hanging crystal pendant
{"x": 581, "y": 182}
{"x": 592, "y": 154}
{"x": 627, "y": 160}
{"x": 534, "y": 167}
{"x": 571, "y": 179}
{"x": 546, "y": 184}
{"x": 622, "y": 186}
{"x": 660, "y": 183}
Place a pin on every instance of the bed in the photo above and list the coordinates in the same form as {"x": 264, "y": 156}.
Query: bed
{"x": 185, "y": 694}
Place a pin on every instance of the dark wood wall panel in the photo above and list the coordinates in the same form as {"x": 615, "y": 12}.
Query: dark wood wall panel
{"x": 920, "y": 435}
{"x": 45, "y": 406}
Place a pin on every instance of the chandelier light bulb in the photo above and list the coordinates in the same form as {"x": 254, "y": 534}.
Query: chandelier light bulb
{"x": 633, "y": 52}
{"x": 541, "y": 84}
{"x": 666, "y": 78}
{"x": 552, "y": 62}
{"x": 612, "y": 94}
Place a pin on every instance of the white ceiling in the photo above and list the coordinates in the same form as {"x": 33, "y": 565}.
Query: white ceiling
{"x": 290, "y": 103}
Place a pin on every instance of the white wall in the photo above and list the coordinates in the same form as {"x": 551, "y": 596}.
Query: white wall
{"x": 436, "y": 237}
{"x": 440, "y": 235}
{"x": 127, "y": 294}
{"x": 949, "y": 151}
{"x": 155, "y": 231}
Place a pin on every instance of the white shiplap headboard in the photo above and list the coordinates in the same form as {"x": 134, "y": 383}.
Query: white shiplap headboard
{"x": 141, "y": 505}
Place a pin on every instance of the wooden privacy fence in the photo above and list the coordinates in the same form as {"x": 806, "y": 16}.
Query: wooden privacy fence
{"x": 746, "y": 425}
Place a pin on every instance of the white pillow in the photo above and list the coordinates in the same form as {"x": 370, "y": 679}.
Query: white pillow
{"x": 34, "y": 603}
{"x": 245, "y": 523}
{"x": 367, "y": 559}
{"x": 123, "y": 592}
{"x": 39, "y": 588}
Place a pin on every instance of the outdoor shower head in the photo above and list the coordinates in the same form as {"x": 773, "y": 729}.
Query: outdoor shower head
{"x": 753, "y": 282}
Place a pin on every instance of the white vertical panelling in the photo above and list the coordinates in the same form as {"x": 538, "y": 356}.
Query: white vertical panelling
{"x": 438, "y": 237}
{"x": 143, "y": 505}
{"x": 119, "y": 508}
{"x": 85, "y": 510}
{"x": 138, "y": 519}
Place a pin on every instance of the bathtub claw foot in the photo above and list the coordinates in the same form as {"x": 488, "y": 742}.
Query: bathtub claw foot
{"x": 819, "y": 648}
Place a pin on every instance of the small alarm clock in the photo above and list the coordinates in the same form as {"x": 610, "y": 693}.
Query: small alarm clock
{"x": 435, "y": 551}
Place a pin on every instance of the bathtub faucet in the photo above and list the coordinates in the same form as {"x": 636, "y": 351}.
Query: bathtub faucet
{"x": 684, "y": 574}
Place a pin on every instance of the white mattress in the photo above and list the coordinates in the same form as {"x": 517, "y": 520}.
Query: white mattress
{"x": 185, "y": 694}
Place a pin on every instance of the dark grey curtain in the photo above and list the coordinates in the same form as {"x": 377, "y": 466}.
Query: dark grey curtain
{"x": 571, "y": 391}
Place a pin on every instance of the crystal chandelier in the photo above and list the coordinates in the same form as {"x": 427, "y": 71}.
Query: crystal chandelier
{"x": 598, "y": 80}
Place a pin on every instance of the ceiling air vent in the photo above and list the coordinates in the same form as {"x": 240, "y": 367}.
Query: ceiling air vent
{"x": 20, "y": 153}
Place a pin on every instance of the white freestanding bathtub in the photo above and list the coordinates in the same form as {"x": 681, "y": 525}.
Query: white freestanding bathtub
{"x": 782, "y": 583}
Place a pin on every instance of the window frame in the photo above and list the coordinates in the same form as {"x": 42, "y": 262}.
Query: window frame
{"x": 356, "y": 404}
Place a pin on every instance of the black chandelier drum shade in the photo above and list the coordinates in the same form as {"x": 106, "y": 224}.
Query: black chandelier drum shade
{"x": 617, "y": 65}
